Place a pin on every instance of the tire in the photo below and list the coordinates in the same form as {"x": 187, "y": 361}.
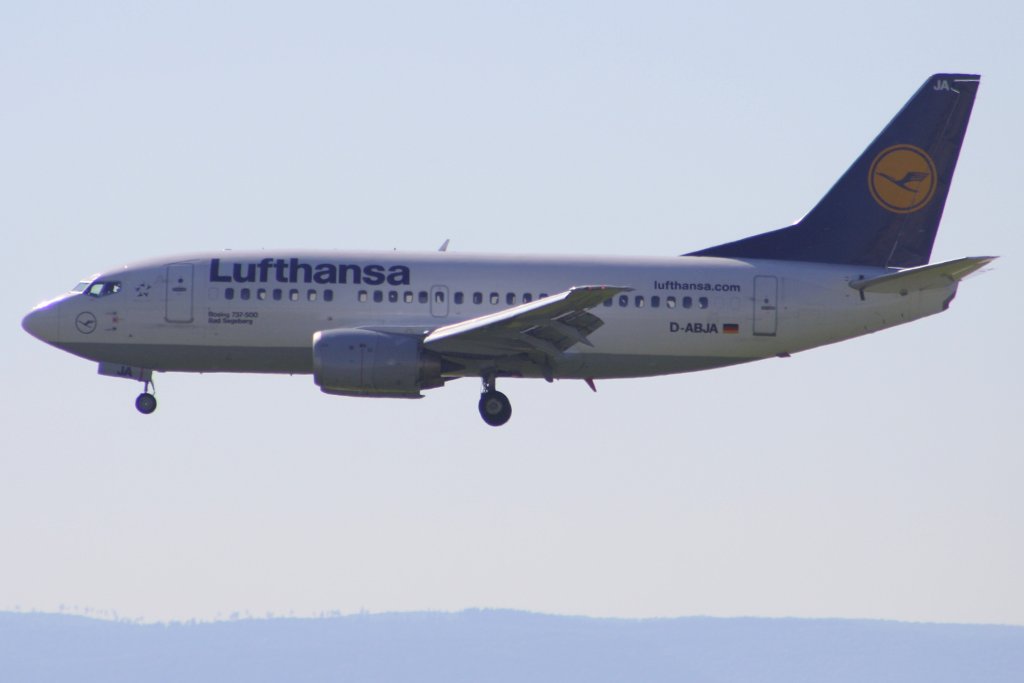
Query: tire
{"x": 145, "y": 403}
{"x": 495, "y": 408}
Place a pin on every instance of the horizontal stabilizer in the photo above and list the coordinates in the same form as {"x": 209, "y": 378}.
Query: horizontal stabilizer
{"x": 924, "y": 277}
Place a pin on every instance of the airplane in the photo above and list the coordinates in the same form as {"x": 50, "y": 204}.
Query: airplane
{"x": 393, "y": 324}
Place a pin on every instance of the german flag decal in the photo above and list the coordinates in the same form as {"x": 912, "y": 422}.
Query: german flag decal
{"x": 731, "y": 328}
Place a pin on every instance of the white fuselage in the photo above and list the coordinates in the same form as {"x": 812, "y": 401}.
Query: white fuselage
{"x": 258, "y": 311}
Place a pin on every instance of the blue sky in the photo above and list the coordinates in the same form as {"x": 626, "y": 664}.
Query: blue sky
{"x": 876, "y": 478}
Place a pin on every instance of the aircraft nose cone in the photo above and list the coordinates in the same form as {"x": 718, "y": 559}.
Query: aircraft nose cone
{"x": 42, "y": 323}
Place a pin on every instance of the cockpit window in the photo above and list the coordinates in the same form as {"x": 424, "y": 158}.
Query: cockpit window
{"x": 103, "y": 288}
{"x": 81, "y": 286}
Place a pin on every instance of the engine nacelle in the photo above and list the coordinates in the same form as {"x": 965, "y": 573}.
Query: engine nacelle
{"x": 353, "y": 362}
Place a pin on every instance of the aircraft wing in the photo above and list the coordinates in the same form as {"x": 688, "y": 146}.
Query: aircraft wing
{"x": 550, "y": 325}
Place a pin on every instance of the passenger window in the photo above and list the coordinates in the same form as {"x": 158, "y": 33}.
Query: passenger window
{"x": 261, "y": 294}
{"x": 229, "y": 293}
{"x": 510, "y": 299}
{"x": 245, "y": 293}
{"x": 311, "y": 295}
{"x": 655, "y": 301}
{"x": 378, "y": 296}
{"x": 687, "y": 302}
{"x": 363, "y": 296}
{"x": 393, "y": 296}
{"x": 408, "y": 297}
{"x": 439, "y": 296}
{"x": 527, "y": 298}
{"x": 670, "y": 302}
{"x": 424, "y": 298}
{"x": 623, "y": 300}
{"x": 542, "y": 295}
{"x": 293, "y": 294}
{"x": 639, "y": 301}
{"x": 277, "y": 295}
{"x": 478, "y": 298}
{"x": 495, "y": 299}
{"x": 328, "y": 295}
{"x": 608, "y": 303}
{"x": 703, "y": 302}
{"x": 458, "y": 298}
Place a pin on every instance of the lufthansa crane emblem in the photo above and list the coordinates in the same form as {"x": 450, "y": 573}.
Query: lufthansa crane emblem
{"x": 902, "y": 178}
{"x": 85, "y": 322}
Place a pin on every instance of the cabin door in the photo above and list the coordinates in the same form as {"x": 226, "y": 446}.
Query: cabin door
{"x": 766, "y": 305}
{"x": 179, "y": 293}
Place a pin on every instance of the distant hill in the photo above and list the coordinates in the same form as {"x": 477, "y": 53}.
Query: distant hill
{"x": 495, "y": 645}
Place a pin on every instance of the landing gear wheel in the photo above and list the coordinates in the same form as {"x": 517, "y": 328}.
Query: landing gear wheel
{"x": 145, "y": 403}
{"x": 495, "y": 408}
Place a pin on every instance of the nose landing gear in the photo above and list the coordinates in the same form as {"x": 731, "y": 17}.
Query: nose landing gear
{"x": 495, "y": 408}
{"x": 145, "y": 402}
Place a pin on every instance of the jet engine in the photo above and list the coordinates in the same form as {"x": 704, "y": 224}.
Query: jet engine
{"x": 350, "y": 362}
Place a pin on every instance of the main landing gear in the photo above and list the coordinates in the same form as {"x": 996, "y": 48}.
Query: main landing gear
{"x": 495, "y": 408}
{"x": 145, "y": 403}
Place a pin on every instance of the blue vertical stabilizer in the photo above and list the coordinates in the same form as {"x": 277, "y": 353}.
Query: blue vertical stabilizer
{"x": 885, "y": 210}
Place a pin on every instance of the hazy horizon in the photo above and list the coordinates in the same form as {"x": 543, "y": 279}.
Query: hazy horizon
{"x": 506, "y": 645}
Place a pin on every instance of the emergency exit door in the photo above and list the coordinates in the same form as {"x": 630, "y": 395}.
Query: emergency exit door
{"x": 439, "y": 301}
{"x": 766, "y": 305}
{"x": 179, "y": 293}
